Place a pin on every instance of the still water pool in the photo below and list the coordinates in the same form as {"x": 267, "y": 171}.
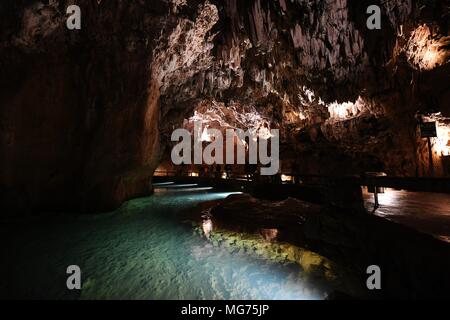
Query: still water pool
{"x": 140, "y": 251}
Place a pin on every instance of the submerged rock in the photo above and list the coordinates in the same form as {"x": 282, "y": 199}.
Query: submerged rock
{"x": 413, "y": 264}
{"x": 263, "y": 215}
{"x": 239, "y": 232}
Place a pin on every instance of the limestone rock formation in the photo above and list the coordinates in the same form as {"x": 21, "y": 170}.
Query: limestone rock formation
{"x": 414, "y": 265}
{"x": 86, "y": 114}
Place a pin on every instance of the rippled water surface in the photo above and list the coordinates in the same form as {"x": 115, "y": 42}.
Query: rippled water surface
{"x": 140, "y": 251}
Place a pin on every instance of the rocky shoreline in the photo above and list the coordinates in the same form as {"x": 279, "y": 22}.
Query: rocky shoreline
{"x": 333, "y": 243}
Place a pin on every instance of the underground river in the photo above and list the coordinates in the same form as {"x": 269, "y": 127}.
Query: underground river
{"x": 143, "y": 250}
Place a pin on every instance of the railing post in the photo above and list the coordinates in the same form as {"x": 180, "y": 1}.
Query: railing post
{"x": 375, "y": 196}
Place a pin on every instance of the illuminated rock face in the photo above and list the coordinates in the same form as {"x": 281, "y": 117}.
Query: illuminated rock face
{"x": 426, "y": 51}
{"x": 86, "y": 114}
{"x": 343, "y": 96}
{"x": 351, "y": 240}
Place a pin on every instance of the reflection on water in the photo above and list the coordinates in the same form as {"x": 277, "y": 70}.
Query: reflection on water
{"x": 424, "y": 211}
{"x": 269, "y": 234}
{"x": 207, "y": 224}
{"x": 142, "y": 251}
{"x": 207, "y": 227}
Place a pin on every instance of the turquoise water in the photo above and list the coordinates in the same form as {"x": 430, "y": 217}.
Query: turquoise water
{"x": 140, "y": 251}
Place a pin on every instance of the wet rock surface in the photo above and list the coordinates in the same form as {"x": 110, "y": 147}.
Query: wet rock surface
{"x": 314, "y": 267}
{"x": 413, "y": 264}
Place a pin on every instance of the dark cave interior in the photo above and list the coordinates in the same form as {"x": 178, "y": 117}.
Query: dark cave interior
{"x": 87, "y": 115}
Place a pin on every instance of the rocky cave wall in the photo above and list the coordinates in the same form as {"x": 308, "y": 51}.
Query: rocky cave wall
{"x": 79, "y": 110}
{"x": 86, "y": 115}
{"x": 345, "y": 97}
